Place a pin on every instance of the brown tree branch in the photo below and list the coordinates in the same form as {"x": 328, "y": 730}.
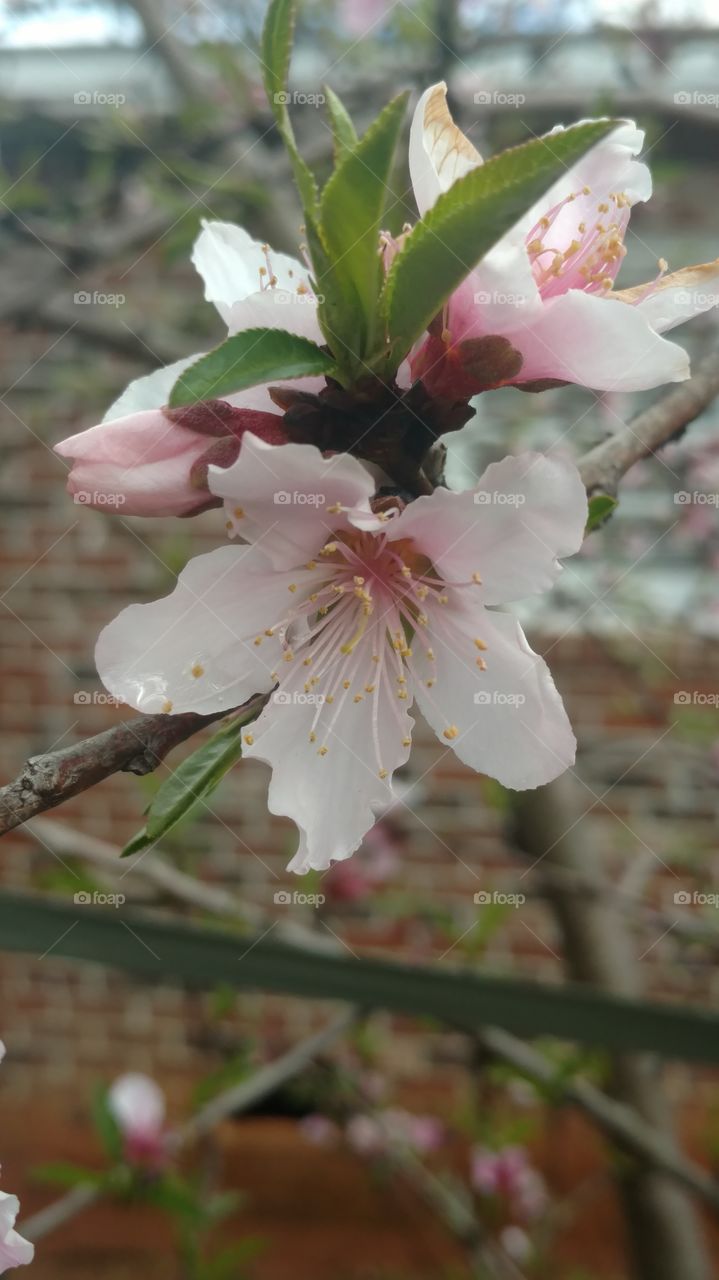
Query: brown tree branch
{"x": 135, "y": 746}
{"x": 603, "y": 467}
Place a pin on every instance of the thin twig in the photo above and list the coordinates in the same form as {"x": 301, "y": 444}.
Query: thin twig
{"x": 135, "y": 746}
{"x": 240, "y": 1097}
{"x": 603, "y": 467}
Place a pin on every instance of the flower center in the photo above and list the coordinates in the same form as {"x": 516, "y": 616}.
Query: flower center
{"x": 596, "y": 247}
{"x": 365, "y": 608}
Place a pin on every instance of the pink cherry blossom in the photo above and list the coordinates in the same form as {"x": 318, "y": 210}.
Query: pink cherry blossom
{"x": 345, "y": 616}
{"x": 15, "y": 1251}
{"x": 138, "y": 1105}
{"x": 542, "y": 304}
{"x": 507, "y": 1175}
{"x": 146, "y": 460}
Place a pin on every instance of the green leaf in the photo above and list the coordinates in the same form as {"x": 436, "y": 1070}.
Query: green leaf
{"x": 352, "y": 206}
{"x": 461, "y": 998}
{"x": 275, "y": 50}
{"x": 61, "y": 1173}
{"x": 343, "y": 129}
{"x": 105, "y": 1123}
{"x": 467, "y": 221}
{"x": 601, "y": 507}
{"x": 250, "y": 357}
{"x": 189, "y": 785}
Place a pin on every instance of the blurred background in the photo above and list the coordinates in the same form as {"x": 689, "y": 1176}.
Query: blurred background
{"x": 122, "y": 126}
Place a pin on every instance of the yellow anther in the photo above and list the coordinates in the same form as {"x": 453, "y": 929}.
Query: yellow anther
{"x": 258, "y": 639}
{"x": 292, "y": 586}
{"x": 198, "y": 670}
{"x": 330, "y": 698}
{"x": 443, "y": 599}
{"x": 430, "y": 654}
{"x": 335, "y": 509}
{"x": 249, "y": 739}
{"x": 383, "y": 773}
{"x": 402, "y": 695}
{"x": 375, "y": 657}
{"x": 406, "y": 742}
{"x": 288, "y": 657}
{"x": 313, "y": 737}
{"x": 477, "y": 578}
{"x": 270, "y": 631}
{"x": 480, "y": 643}
{"x": 370, "y": 688}
{"x": 328, "y": 549}
{"x": 346, "y": 684}
{"x": 238, "y": 513}
{"x": 229, "y": 524}
{"x": 311, "y": 564}
{"x": 481, "y": 664}
{"x": 359, "y": 697}
{"x": 167, "y": 706}
{"x": 406, "y": 571}
{"x": 451, "y": 732}
{"x": 429, "y": 683}
{"x": 322, "y": 751}
{"x": 359, "y": 582}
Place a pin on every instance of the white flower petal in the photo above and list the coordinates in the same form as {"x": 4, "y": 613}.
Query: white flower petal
{"x": 675, "y": 297}
{"x": 439, "y": 152}
{"x": 152, "y": 391}
{"x": 14, "y": 1250}
{"x": 276, "y": 309}
{"x": 581, "y": 337}
{"x": 333, "y": 797}
{"x": 233, "y": 265}
{"x": 525, "y": 512}
{"x": 194, "y": 649}
{"x": 507, "y": 721}
{"x": 287, "y": 495}
{"x": 137, "y": 1103}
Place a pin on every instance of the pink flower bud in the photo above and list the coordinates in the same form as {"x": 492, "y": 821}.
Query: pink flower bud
{"x": 138, "y": 1105}
{"x": 154, "y": 463}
